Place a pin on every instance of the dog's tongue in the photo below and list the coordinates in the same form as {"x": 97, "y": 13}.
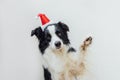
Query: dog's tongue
{"x": 43, "y": 18}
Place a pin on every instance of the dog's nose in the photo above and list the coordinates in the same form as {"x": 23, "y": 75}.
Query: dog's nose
{"x": 57, "y": 44}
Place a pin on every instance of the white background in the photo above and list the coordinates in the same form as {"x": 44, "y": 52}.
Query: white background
{"x": 19, "y": 54}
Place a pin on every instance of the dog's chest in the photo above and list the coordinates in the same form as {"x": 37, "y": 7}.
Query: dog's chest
{"x": 54, "y": 61}
{"x": 58, "y": 61}
{"x": 65, "y": 66}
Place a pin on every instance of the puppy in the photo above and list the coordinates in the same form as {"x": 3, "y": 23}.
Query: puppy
{"x": 62, "y": 61}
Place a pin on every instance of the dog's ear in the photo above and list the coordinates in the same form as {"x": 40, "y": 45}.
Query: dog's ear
{"x": 38, "y": 32}
{"x": 63, "y": 26}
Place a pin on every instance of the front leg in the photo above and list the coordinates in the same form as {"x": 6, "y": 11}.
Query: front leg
{"x": 47, "y": 74}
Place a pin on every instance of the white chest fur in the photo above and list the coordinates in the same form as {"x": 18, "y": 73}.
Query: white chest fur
{"x": 54, "y": 60}
{"x": 62, "y": 64}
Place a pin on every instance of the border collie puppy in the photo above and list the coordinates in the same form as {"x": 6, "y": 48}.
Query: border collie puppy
{"x": 61, "y": 60}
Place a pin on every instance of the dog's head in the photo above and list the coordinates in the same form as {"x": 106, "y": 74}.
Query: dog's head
{"x": 53, "y": 36}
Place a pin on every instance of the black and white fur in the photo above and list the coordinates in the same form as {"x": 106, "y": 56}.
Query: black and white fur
{"x": 62, "y": 62}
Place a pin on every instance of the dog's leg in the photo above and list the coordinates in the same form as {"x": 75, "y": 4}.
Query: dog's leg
{"x": 83, "y": 51}
{"x": 84, "y": 46}
{"x": 47, "y": 74}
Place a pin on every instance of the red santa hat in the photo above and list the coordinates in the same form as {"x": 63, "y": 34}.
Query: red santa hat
{"x": 43, "y": 19}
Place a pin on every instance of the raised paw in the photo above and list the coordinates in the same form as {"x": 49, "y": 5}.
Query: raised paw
{"x": 88, "y": 41}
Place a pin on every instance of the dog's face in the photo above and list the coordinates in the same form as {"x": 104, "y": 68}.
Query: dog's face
{"x": 54, "y": 36}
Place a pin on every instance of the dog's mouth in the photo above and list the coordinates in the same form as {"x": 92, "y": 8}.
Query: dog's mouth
{"x": 58, "y": 47}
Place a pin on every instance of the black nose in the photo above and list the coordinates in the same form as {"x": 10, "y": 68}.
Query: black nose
{"x": 57, "y": 44}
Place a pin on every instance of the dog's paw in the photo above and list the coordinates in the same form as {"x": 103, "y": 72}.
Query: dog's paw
{"x": 88, "y": 41}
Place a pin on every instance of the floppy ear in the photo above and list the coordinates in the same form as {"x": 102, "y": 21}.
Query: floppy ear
{"x": 63, "y": 26}
{"x": 38, "y": 32}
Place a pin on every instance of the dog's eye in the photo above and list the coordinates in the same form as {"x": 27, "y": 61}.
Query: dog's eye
{"x": 48, "y": 37}
{"x": 58, "y": 33}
